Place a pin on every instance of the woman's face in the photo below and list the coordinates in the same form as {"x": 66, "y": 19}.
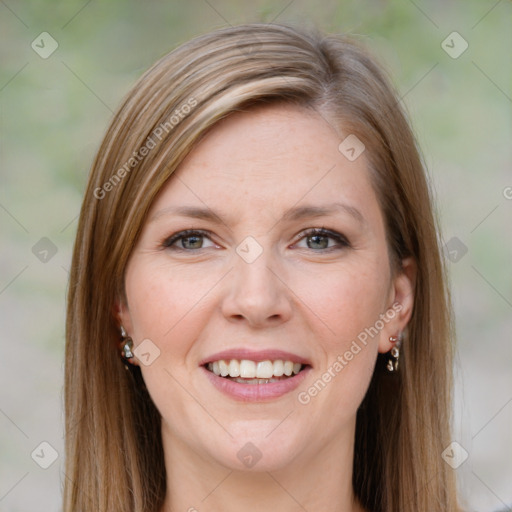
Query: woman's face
{"x": 254, "y": 282}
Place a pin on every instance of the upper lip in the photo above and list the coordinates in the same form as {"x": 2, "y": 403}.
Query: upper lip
{"x": 254, "y": 355}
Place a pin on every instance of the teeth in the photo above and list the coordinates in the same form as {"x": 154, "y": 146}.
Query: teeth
{"x": 224, "y": 368}
{"x": 255, "y": 381}
{"x": 264, "y": 370}
{"x": 261, "y": 371}
{"x": 234, "y": 368}
{"x": 247, "y": 369}
{"x": 278, "y": 368}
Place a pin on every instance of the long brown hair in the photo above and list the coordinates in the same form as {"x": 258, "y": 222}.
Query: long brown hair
{"x": 114, "y": 454}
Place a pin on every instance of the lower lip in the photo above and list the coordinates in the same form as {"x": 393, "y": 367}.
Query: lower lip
{"x": 256, "y": 392}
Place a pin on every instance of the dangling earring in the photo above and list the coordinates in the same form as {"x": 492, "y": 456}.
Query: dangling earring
{"x": 392, "y": 364}
{"x": 126, "y": 345}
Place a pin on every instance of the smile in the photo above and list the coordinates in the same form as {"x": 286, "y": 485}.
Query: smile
{"x": 246, "y": 371}
{"x": 250, "y": 376}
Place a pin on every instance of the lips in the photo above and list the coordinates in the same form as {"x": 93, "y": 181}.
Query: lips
{"x": 251, "y": 355}
{"x": 255, "y": 376}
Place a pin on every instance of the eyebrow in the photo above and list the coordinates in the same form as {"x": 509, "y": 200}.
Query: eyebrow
{"x": 293, "y": 214}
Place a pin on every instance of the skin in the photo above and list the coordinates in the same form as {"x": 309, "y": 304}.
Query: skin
{"x": 308, "y": 295}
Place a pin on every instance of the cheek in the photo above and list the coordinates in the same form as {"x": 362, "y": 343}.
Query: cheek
{"x": 345, "y": 301}
{"x": 168, "y": 307}
{"x": 348, "y": 305}
{"x": 160, "y": 301}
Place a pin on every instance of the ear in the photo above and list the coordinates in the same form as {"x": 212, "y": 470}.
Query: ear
{"x": 121, "y": 314}
{"x": 400, "y": 304}
{"x": 122, "y": 317}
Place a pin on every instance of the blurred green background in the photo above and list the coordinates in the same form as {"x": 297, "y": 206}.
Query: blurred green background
{"x": 54, "y": 111}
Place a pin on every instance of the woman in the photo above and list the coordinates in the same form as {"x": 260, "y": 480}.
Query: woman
{"x": 257, "y": 241}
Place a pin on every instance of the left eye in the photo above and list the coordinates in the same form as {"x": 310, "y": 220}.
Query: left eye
{"x": 319, "y": 239}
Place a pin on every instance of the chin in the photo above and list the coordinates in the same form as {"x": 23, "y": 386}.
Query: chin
{"x": 260, "y": 448}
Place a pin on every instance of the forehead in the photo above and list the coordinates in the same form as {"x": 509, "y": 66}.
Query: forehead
{"x": 266, "y": 160}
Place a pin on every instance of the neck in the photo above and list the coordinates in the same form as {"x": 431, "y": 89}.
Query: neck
{"x": 322, "y": 481}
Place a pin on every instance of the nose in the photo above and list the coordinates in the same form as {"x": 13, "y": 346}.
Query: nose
{"x": 256, "y": 292}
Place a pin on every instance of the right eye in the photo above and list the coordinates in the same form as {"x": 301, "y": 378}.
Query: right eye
{"x": 190, "y": 240}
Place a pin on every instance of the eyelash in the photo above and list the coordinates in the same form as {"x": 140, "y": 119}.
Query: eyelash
{"x": 338, "y": 237}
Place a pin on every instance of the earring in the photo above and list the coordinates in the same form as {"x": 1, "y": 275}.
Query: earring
{"x": 392, "y": 364}
{"x": 126, "y": 345}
